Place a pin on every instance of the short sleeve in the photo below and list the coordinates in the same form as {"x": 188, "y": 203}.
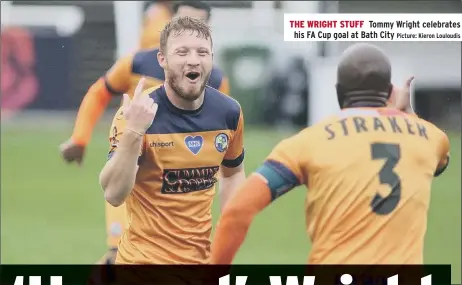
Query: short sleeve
{"x": 235, "y": 153}
{"x": 116, "y": 133}
{"x": 443, "y": 161}
{"x": 117, "y": 78}
{"x": 286, "y": 160}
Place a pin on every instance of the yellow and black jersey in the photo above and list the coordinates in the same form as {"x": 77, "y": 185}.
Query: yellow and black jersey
{"x": 169, "y": 209}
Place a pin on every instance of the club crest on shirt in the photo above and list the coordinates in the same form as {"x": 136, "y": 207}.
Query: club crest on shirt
{"x": 194, "y": 143}
{"x": 221, "y": 142}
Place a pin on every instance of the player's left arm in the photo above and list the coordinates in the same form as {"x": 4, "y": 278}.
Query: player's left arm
{"x": 232, "y": 173}
{"x": 443, "y": 154}
{"x": 279, "y": 174}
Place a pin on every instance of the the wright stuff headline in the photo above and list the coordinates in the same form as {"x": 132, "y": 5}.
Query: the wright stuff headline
{"x": 304, "y": 31}
{"x": 226, "y": 274}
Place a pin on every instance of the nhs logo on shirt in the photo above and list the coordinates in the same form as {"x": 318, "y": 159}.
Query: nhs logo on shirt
{"x": 194, "y": 143}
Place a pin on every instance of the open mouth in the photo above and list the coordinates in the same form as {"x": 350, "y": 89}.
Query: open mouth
{"x": 193, "y": 75}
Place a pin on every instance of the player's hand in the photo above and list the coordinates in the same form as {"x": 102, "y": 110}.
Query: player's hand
{"x": 72, "y": 152}
{"x": 109, "y": 258}
{"x": 401, "y": 97}
{"x": 103, "y": 273}
{"x": 140, "y": 111}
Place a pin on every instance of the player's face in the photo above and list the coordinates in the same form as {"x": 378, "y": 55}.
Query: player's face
{"x": 193, "y": 13}
{"x": 187, "y": 63}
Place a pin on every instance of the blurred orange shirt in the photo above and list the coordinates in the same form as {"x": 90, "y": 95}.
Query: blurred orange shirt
{"x": 155, "y": 19}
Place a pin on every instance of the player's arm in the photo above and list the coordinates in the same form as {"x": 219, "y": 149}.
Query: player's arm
{"x": 444, "y": 155}
{"x": 279, "y": 174}
{"x": 401, "y": 98}
{"x": 114, "y": 83}
{"x": 232, "y": 173}
{"x": 119, "y": 173}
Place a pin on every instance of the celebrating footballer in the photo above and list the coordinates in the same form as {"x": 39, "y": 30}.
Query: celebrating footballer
{"x": 123, "y": 78}
{"x": 169, "y": 147}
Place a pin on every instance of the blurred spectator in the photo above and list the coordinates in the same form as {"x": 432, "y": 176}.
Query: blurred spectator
{"x": 288, "y": 95}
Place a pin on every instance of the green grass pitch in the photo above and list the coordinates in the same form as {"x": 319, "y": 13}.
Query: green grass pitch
{"x": 53, "y": 213}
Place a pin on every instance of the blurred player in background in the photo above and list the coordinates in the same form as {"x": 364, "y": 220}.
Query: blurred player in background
{"x": 122, "y": 78}
{"x": 160, "y": 13}
{"x": 165, "y": 168}
{"x": 157, "y": 15}
{"x": 369, "y": 171}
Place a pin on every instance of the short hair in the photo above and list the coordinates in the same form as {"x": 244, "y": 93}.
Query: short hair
{"x": 179, "y": 25}
{"x": 201, "y": 5}
{"x": 364, "y": 67}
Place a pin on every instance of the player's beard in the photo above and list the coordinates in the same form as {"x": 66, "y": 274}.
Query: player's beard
{"x": 174, "y": 81}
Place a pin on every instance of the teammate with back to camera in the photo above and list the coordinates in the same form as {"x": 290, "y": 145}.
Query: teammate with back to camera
{"x": 165, "y": 168}
{"x": 369, "y": 171}
{"x": 122, "y": 78}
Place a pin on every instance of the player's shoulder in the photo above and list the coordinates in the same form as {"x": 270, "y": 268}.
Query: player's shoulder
{"x": 155, "y": 93}
{"x": 318, "y": 127}
{"x": 316, "y": 134}
{"x": 294, "y": 146}
{"x": 216, "y": 77}
{"x": 141, "y": 55}
{"x": 433, "y": 130}
{"x": 227, "y": 105}
{"x": 138, "y": 57}
{"x": 219, "y": 104}
{"x": 305, "y": 137}
{"x": 152, "y": 91}
{"x": 145, "y": 63}
{"x": 425, "y": 123}
{"x": 227, "y": 102}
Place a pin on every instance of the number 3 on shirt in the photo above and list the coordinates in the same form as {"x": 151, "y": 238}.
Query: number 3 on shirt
{"x": 391, "y": 153}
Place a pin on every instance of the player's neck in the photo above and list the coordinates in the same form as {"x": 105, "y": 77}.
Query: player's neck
{"x": 365, "y": 103}
{"x": 181, "y": 103}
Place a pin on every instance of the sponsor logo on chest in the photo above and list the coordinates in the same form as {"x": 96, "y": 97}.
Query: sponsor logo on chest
{"x": 187, "y": 180}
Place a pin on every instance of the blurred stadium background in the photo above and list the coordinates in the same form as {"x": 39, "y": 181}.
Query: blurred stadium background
{"x": 52, "y": 51}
